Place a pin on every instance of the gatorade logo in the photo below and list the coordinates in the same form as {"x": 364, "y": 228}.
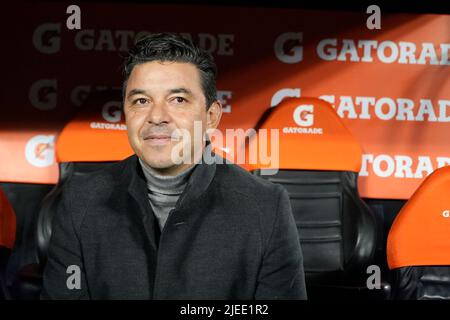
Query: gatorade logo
{"x": 112, "y": 114}
{"x": 303, "y": 115}
{"x": 112, "y": 111}
{"x": 304, "y": 118}
{"x": 39, "y": 151}
{"x": 446, "y": 213}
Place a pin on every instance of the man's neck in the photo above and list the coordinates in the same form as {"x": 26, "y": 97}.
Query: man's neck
{"x": 156, "y": 180}
{"x": 170, "y": 171}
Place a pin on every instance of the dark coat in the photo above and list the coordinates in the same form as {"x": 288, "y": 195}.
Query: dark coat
{"x": 231, "y": 236}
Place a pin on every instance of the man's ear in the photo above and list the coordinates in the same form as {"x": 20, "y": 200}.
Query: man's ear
{"x": 213, "y": 115}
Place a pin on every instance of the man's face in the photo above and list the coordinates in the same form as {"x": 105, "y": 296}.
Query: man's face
{"x": 161, "y": 97}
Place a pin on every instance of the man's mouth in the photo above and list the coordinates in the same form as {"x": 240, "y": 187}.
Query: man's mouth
{"x": 157, "y": 139}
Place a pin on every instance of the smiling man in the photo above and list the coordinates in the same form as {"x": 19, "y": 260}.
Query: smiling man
{"x": 161, "y": 98}
{"x": 153, "y": 227}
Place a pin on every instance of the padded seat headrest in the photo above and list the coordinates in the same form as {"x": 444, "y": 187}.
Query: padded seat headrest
{"x": 420, "y": 234}
{"x": 311, "y": 137}
{"x": 98, "y": 133}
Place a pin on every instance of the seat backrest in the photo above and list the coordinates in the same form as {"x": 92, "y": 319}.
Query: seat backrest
{"x": 418, "y": 246}
{"x": 319, "y": 161}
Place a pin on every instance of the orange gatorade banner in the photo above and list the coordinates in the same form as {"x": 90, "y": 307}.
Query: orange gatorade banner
{"x": 390, "y": 87}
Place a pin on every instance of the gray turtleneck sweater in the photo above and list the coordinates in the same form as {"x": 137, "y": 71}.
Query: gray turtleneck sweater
{"x": 164, "y": 191}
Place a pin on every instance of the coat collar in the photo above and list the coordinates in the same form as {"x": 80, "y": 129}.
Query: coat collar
{"x": 197, "y": 184}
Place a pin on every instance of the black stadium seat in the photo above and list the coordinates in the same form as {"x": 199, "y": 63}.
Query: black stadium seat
{"x": 338, "y": 232}
{"x": 418, "y": 248}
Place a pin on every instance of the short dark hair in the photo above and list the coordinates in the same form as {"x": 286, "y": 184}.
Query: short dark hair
{"x": 173, "y": 47}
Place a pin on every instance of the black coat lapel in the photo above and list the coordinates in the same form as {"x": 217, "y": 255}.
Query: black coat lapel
{"x": 137, "y": 188}
{"x": 198, "y": 183}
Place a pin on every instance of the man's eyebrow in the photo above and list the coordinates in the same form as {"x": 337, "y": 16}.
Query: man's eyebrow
{"x": 181, "y": 90}
{"x": 136, "y": 91}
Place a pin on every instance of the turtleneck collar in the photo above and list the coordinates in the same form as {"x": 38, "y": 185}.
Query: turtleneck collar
{"x": 167, "y": 184}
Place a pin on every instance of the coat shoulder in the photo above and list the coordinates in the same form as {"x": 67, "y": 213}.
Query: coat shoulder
{"x": 83, "y": 190}
{"x": 236, "y": 180}
{"x": 244, "y": 181}
{"x": 254, "y": 199}
{"x": 104, "y": 176}
{"x": 85, "y": 186}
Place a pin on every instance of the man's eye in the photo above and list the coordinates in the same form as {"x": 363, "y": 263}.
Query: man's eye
{"x": 140, "y": 101}
{"x": 180, "y": 99}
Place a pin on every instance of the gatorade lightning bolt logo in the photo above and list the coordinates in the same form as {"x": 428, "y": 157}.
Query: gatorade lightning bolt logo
{"x": 303, "y": 115}
{"x": 39, "y": 151}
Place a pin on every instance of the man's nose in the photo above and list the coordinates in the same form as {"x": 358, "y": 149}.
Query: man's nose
{"x": 158, "y": 113}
